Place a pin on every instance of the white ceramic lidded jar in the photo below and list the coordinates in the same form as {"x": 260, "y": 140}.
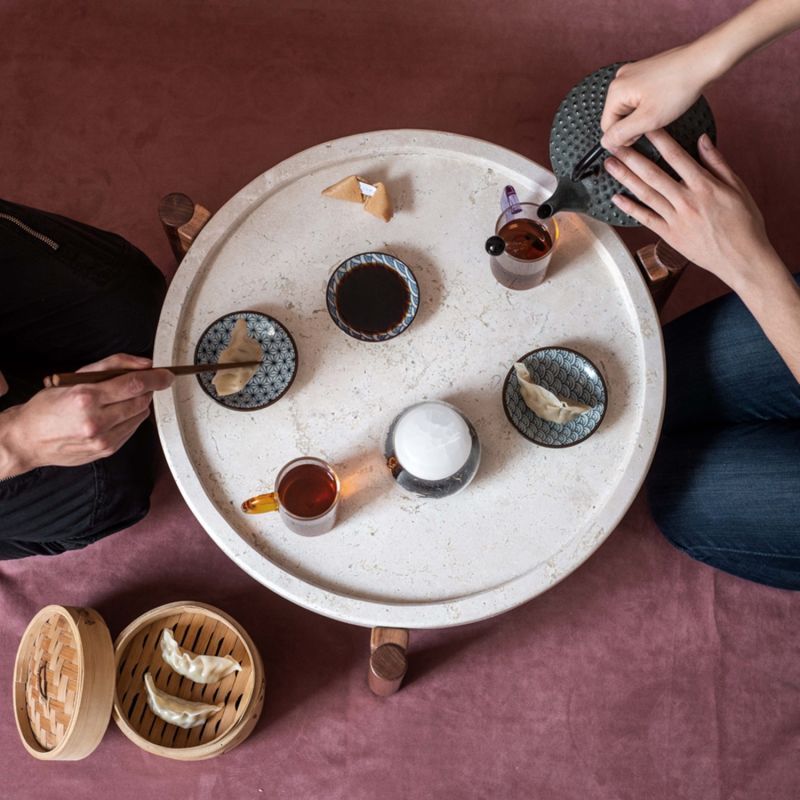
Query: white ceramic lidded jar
{"x": 432, "y": 449}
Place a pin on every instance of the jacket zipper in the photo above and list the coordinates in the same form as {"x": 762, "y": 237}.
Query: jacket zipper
{"x": 36, "y": 235}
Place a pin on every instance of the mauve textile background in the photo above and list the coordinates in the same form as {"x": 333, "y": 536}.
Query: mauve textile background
{"x": 643, "y": 675}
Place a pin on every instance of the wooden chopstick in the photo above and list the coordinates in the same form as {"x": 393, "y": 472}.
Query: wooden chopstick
{"x": 75, "y": 378}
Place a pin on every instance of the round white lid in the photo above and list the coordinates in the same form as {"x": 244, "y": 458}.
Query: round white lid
{"x": 432, "y": 441}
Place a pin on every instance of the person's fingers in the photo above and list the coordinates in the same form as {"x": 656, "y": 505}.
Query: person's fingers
{"x": 133, "y": 384}
{"x": 109, "y": 416}
{"x": 611, "y": 116}
{"x": 646, "y": 194}
{"x": 640, "y": 213}
{"x": 626, "y": 131}
{"x": 688, "y": 169}
{"x": 112, "y": 440}
{"x": 650, "y": 174}
{"x": 619, "y": 102}
{"x": 715, "y": 162}
{"x": 118, "y": 361}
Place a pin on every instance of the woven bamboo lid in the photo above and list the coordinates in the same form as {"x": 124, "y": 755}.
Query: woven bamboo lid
{"x": 64, "y": 683}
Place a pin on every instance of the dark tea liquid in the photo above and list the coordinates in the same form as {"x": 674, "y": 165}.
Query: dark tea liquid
{"x": 372, "y": 298}
{"x": 307, "y": 490}
{"x": 526, "y": 241}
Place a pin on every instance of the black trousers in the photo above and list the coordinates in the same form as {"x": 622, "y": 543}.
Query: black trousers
{"x": 71, "y": 294}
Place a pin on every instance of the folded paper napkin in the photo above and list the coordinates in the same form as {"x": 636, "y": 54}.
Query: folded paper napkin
{"x": 374, "y": 197}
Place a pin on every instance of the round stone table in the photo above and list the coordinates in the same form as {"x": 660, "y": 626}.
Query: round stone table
{"x": 532, "y": 514}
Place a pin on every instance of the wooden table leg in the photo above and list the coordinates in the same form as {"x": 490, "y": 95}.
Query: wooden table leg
{"x": 182, "y": 220}
{"x": 387, "y": 660}
{"x": 662, "y": 266}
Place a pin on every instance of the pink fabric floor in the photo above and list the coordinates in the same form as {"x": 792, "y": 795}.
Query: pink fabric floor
{"x": 643, "y": 675}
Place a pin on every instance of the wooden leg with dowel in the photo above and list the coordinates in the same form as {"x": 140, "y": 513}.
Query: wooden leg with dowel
{"x": 662, "y": 266}
{"x": 387, "y": 660}
{"x": 182, "y": 219}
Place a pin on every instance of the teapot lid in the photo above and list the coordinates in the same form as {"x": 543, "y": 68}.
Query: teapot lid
{"x": 432, "y": 440}
{"x": 576, "y": 129}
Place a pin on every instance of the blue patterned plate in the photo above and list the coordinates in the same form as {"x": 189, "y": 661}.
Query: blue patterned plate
{"x": 274, "y": 376}
{"x": 373, "y": 258}
{"x": 567, "y": 374}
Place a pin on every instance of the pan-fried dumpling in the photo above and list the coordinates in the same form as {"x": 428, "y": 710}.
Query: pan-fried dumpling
{"x": 240, "y": 348}
{"x": 176, "y": 710}
{"x": 543, "y": 402}
{"x": 200, "y": 669}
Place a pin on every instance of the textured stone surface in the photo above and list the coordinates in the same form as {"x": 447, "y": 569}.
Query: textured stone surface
{"x": 393, "y": 560}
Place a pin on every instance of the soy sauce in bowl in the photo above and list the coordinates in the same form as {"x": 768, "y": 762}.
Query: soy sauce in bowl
{"x": 372, "y": 298}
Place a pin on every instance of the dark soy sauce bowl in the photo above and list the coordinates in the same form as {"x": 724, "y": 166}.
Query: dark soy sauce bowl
{"x": 388, "y": 294}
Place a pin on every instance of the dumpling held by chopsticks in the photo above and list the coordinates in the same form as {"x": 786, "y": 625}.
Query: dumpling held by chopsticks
{"x": 240, "y": 348}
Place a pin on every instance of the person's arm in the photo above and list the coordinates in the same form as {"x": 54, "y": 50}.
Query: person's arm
{"x": 78, "y": 424}
{"x": 649, "y": 94}
{"x": 711, "y": 219}
{"x": 774, "y": 300}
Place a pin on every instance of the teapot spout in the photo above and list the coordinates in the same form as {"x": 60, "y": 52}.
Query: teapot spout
{"x": 569, "y": 196}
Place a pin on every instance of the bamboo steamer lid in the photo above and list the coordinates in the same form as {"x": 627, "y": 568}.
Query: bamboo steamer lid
{"x": 64, "y": 683}
{"x": 202, "y": 629}
{"x": 69, "y": 676}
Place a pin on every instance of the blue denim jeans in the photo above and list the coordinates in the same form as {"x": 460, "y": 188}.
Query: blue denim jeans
{"x": 725, "y": 482}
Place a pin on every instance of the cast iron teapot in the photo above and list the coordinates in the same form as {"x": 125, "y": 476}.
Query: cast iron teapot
{"x": 576, "y": 131}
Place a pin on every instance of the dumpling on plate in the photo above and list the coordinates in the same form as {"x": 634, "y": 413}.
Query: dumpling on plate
{"x": 240, "y": 348}
{"x": 543, "y": 402}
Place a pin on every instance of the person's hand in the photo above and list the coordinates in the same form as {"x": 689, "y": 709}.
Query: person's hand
{"x": 649, "y": 94}
{"x": 709, "y": 217}
{"x": 78, "y": 424}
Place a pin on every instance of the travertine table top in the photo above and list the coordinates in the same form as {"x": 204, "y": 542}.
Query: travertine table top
{"x": 532, "y": 514}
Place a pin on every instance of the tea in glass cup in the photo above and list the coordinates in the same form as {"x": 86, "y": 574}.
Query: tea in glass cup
{"x": 522, "y": 246}
{"x": 307, "y": 494}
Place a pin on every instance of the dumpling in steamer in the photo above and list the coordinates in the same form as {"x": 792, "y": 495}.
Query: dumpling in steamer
{"x": 197, "y": 668}
{"x": 176, "y": 710}
{"x": 240, "y": 348}
{"x": 543, "y": 402}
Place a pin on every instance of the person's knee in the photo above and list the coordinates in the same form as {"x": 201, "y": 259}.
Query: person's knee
{"x": 668, "y": 507}
{"x": 124, "y": 482}
{"x": 132, "y": 304}
{"x": 135, "y": 301}
{"x": 94, "y": 500}
{"x": 128, "y": 476}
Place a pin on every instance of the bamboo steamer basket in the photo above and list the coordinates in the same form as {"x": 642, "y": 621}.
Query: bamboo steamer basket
{"x": 201, "y": 629}
{"x": 64, "y": 683}
{"x": 68, "y": 676}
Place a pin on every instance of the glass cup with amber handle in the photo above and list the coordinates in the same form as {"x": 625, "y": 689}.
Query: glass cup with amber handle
{"x": 307, "y": 494}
